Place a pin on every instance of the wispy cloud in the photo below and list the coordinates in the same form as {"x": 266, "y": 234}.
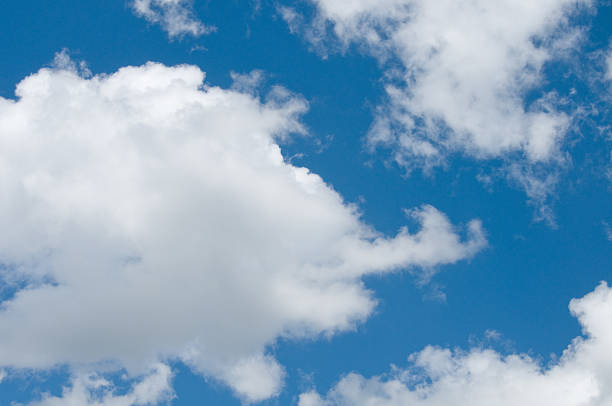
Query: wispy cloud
{"x": 176, "y": 17}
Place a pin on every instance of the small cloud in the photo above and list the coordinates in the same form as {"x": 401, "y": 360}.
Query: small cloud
{"x": 434, "y": 293}
{"x": 63, "y": 61}
{"x": 198, "y": 48}
{"x": 485, "y": 179}
{"x": 485, "y": 376}
{"x": 247, "y": 82}
{"x": 492, "y": 335}
{"x": 93, "y": 390}
{"x": 539, "y": 185}
{"x": 175, "y": 16}
{"x": 292, "y": 18}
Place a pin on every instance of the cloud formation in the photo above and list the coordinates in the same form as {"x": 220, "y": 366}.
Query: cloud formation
{"x": 482, "y": 377}
{"x": 461, "y": 77}
{"x": 93, "y": 390}
{"x": 466, "y": 69}
{"x": 175, "y": 16}
{"x": 154, "y": 218}
{"x": 608, "y": 65}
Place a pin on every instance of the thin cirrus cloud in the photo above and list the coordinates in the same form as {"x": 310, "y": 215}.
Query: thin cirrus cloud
{"x": 154, "y": 219}
{"x": 460, "y": 75}
{"x": 482, "y": 377}
{"x": 176, "y": 17}
{"x": 608, "y": 65}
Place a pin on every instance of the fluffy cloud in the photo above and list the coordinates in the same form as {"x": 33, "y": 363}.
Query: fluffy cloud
{"x": 461, "y": 76}
{"x": 175, "y": 16}
{"x": 466, "y": 69}
{"x": 152, "y": 217}
{"x": 440, "y": 377}
{"x": 92, "y": 390}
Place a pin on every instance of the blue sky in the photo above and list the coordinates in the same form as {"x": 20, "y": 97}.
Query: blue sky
{"x": 545, "y": 210}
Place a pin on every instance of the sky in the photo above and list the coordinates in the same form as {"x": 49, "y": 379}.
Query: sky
{"x": 306, "y": 202}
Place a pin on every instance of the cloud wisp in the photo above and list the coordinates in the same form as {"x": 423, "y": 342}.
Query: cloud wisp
{"x": 176, "y": 17}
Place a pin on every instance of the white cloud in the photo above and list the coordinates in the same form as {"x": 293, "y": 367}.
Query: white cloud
{"x": 63, "y": 61}
{"x": 153, "y": 217}
{"x": 175, "y": 16}
{"x": 462, "y": 76}
{"x": 467, "y": 66}
{"x": 247, "y": 82}
{"x": 258, "y": 376}
{"x": 92, "y": 390}
{"x": 537, "y": 185}
{"x": 440, "y": 377}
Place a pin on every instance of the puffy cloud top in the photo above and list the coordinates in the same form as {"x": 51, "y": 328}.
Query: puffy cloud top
{"x": 481, "y": 377}
{"x": 152, "y": 217}
{"x": 92, "y": 390}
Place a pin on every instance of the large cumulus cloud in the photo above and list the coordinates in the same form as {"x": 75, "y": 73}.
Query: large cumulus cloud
{"x": 149, "y": 217}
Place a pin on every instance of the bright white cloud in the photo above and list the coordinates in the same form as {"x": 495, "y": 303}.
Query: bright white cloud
{"x": 481, "y": 377}
{"x": 175, "y": 16}
{"x": 153, "y": 217}
{"x": 92, "y": 390}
